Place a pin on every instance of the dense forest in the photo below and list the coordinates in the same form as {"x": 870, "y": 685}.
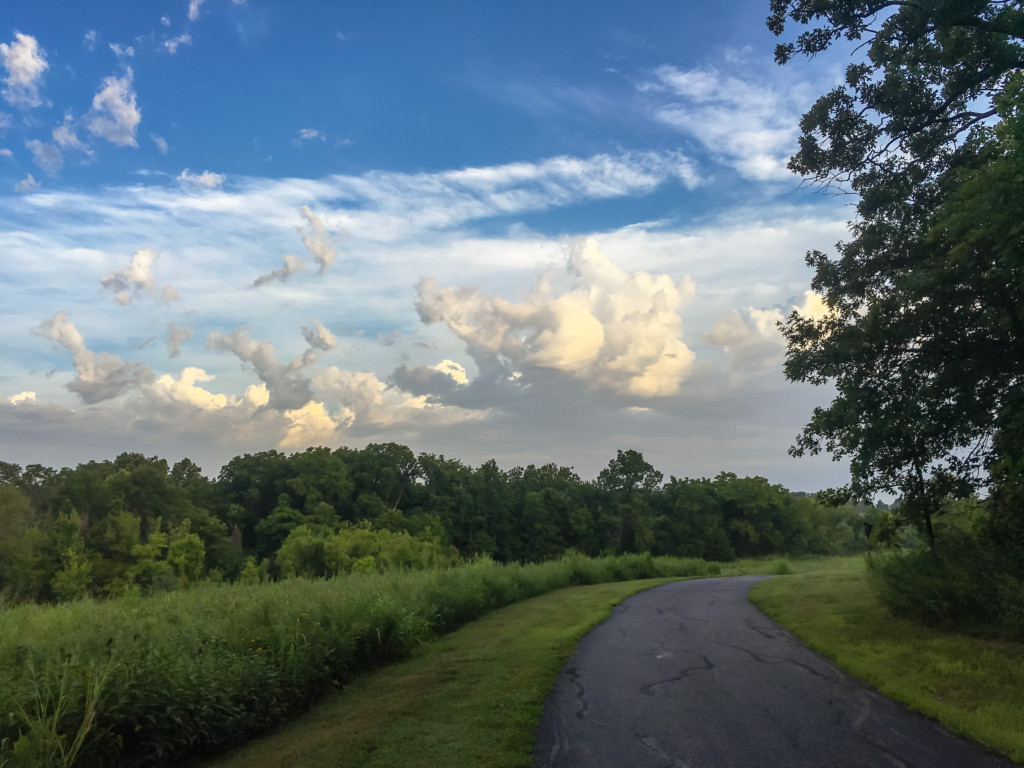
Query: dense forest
{"x": 137, "y": 523}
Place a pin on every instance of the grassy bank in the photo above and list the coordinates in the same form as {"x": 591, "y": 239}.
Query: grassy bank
{"x": 153, "y": 681}
{"x": 973, "y": 686}
{"x": 473, "y": 697}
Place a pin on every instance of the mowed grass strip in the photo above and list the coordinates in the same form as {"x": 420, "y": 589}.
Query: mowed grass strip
{"x": 473, "y": 697}
{"x": 974, "y": 686}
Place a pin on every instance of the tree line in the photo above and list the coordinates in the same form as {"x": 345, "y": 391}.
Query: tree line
{"x": 139, "y": 523}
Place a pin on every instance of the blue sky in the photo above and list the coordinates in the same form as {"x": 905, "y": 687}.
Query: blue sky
{"x": 515, "y": 231}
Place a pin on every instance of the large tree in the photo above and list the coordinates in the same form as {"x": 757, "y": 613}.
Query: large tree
{"x": 924, "y": 340}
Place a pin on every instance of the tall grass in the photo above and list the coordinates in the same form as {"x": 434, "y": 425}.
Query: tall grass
{"x": 152, "y": 681}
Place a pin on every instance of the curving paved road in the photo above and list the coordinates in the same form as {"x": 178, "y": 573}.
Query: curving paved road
{"x": 691, "y": 674}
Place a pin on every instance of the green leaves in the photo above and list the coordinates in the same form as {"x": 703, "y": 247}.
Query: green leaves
{"x": 926, "y": 346}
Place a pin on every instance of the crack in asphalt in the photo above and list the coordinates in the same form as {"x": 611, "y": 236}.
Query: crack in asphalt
{"x": 650, "y": 688}
{"x": 764, "y": 659}
{"x": 652, "y": 746}
{"x": 581, "y": 693}
{"x": 762, "y": 632}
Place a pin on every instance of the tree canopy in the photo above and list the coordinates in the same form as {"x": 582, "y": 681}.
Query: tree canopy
{"x": 135, "y": 523}
{"x": 924, "y": 334}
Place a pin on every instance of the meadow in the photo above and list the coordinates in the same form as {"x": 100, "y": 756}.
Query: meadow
{"x": 151, "y": 681}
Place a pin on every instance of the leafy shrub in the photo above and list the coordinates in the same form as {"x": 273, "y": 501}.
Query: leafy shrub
{"x": 967, "y": 581}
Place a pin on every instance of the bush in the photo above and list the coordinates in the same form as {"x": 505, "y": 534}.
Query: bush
{"x": 966, "y": 582}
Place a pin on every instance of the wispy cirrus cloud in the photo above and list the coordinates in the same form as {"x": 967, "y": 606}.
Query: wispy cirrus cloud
{"x": 27, "y": 184}
{"x": 46, "y": 156}
{"x": 161, "y": 143}
{"x": 747, "y": 121}
{"x": 307, "y": 134}
{"x": 173, "y": 44}
{"x": 176, "y": 336}
{"x": 390, "y": 207}
{"x": 122, "y": 51}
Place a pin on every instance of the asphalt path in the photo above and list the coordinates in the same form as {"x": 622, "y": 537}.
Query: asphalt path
{"x": 691, "y": 674}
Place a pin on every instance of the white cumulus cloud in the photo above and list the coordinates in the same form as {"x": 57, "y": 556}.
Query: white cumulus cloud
{"x": 25, "y": 63}
{"x": 316, "y": 239}
{"x": 184, "y": 390}
{"x": 114, "y": 115}
{"x": 751, "y": 337}
{"x": 205, "y": 180}
{"x": 292, "y": 264}
{"x": 365, "y": 403}
{"x": 612, "y": 329}
{"x": 138, "y": 276}
{"x": 318, "y": 337}
{"x": 452, "y": 370}
{"x": 98, "y": 376}
{"x": 66, "y": 137}
{"x": 755, "y": 326}
{"x": 287, "y": 386}
{"x": 22, "y": 398}
{"x": 310, "y": 425}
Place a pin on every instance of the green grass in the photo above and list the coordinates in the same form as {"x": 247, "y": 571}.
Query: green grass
{"x": 972, "y": 685}
{"x": 784, "y": 566}
{"x": 473, "y": 697}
